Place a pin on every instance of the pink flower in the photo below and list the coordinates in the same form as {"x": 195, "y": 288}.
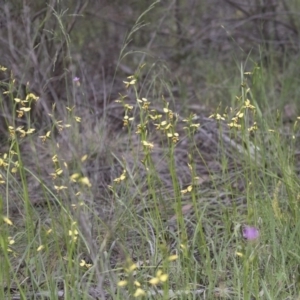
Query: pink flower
{"x": 250, "y": 233}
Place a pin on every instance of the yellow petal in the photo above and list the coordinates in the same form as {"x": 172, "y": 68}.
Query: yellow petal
{"x": 7, "y": 221}
{"x": 139, "y": 292}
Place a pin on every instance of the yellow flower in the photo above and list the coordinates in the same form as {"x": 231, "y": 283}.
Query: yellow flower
{"x": 74, "y": 177}
{"x": 7, "y": 221}
{"x": 25, "y": 109}
{"x": 148, "y": 145}
{"x": 20, "y": 113}
{"x": 248, "y": 104}
{"x": 139, "y": 292}
{"x": 84, "y": 157}
{"x": 154, "y": 281}
{"x": 121, "y": 178}
{"x": 128, "y": 83}
{"x": 11, "y": 241}
{"x": 31, "y": 96}
{"x": 85, "y": 181}
{"x": 48, "y": 231}
{"x": 172, "y": 257}
{"x": 84, "y": 264}
{"x": 14, "y": 170}
{"x": 160, "y": 277}
{"x": 189, "y": 188}
{"x": 30, "y": 130}
{"x": 136, "y": 283}
{"x": 41, "y": 247}
{"x": 216, "y": 116}
{"x": 131, "y": 268}
{"x": 60, "y": 188}
{"x": 73, "y": 234}
{"x": 122, "y": 283}
{"x": 2, "y": 181}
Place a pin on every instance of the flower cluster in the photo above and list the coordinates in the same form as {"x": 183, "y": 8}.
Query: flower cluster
{"x": 136, "y": 288}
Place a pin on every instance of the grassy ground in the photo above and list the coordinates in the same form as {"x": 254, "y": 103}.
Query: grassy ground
{"x": 164, "y": 194}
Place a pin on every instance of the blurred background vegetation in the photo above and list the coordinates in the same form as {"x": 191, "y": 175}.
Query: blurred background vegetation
{"x": 202, "y": 43}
